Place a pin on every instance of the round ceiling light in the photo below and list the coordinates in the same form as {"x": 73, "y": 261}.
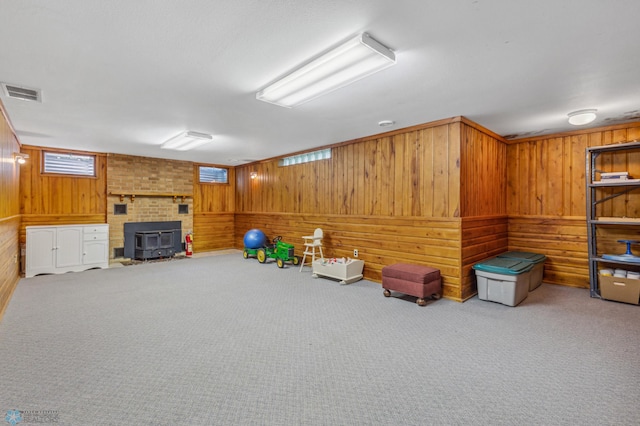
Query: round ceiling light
{"x": 582, "y": 117}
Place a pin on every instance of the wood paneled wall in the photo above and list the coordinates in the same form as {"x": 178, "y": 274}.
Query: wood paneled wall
{"x": 48, "y": 199}
{"x": 562, "y": 239}
{"x": 546, "y": 197}
{"x": 483, "y": 176}
{"x": 9, "y": 259}
{"x": 414, "y": 172}
{"x": 9, "y": 212}
{"x": 442, "y": 194}
{"x": 483, "y": 203}
{"x": 213, "y": 231}
{"x": 49, "y": 194}
{"x": 214, "y": 197}
{"x": 482, "y": 238}
{"x": 396, "y": 197}
{"x": 213, "y": 208}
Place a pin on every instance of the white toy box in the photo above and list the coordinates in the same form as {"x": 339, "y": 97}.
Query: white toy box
{"x": 348, "y": 272}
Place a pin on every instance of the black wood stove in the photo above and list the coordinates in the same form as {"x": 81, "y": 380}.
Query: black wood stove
{"x": 154, "y": 244}
{"x": 152, "y": 240}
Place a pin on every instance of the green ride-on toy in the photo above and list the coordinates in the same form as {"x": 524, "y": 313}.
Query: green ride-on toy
{"x": 280, "y": 251}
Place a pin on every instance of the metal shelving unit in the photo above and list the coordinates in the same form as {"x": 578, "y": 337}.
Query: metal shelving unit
{"x": 621, "y": 188}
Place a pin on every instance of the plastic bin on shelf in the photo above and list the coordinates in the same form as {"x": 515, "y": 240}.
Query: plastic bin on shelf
{"x": 503, "y": 280}
{"x": 537, "y": 272}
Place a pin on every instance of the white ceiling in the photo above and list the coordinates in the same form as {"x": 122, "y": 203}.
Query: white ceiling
{"x": 123, "y": 76}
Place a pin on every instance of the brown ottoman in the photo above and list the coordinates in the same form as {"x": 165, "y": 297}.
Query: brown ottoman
{"x": 414, "y": 280}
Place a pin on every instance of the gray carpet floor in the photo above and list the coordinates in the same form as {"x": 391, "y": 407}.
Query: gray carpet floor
{"x": 226, "y": 341}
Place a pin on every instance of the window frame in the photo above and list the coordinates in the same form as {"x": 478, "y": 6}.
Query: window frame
{"x": 47, "y": 152}
{"x": 212, "y": 182}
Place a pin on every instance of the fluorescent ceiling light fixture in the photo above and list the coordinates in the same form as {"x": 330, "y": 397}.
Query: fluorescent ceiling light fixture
{"x": 187, "y": 140}
{"x": 357, "y": 58}
{"x": 582, "y": 117}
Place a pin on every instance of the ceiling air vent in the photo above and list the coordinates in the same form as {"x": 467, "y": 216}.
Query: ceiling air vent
{"x": 23, "y": 93}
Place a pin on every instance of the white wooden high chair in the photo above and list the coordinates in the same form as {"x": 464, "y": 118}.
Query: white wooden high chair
{"x": 310, "y": 244}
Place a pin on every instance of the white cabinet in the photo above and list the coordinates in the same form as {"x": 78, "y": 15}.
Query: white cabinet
{"x": 95, "y": 245}
{"x": 67, "y": 248}
{"x": 41, "y": 245}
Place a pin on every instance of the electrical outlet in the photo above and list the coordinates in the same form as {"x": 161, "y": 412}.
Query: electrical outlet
{"x": 355, "y": 253}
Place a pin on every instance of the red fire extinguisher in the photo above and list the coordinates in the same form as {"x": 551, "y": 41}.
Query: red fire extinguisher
{"x": 188, "y": 240}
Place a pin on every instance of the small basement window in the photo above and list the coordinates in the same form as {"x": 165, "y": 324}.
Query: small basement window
{"x": 213, "y": 174}
{"x": 307, "y": 157}
{"x": 69, "y": 164}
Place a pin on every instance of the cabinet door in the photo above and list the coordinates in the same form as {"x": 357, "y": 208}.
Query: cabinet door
{"x": 96, "y": 252}
{"x": 41, "y": 244}
{"x": 69, "y": 247}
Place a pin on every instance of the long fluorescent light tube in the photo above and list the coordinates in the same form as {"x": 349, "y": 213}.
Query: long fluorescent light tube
{"x": 357, "y": 58}
{"x": 186, "y": 141}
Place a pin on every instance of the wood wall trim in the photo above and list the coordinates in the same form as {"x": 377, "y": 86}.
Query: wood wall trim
{"x": 575, "y": 133}
{"x": 66, "y": 218}
{"x": 10, "y": 218}
{"x": 63, "y": 150}
{"x": 483, "y": 218}
{"x": 549, "y": 217}
{"x": 482, "y": 129}
{"x": 405, "y": 219}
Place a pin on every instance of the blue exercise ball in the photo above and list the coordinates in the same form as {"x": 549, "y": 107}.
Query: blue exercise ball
{"x": 254, "y": 238}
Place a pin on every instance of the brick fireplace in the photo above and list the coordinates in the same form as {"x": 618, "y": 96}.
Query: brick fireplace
{"x": 143, "y": 189}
